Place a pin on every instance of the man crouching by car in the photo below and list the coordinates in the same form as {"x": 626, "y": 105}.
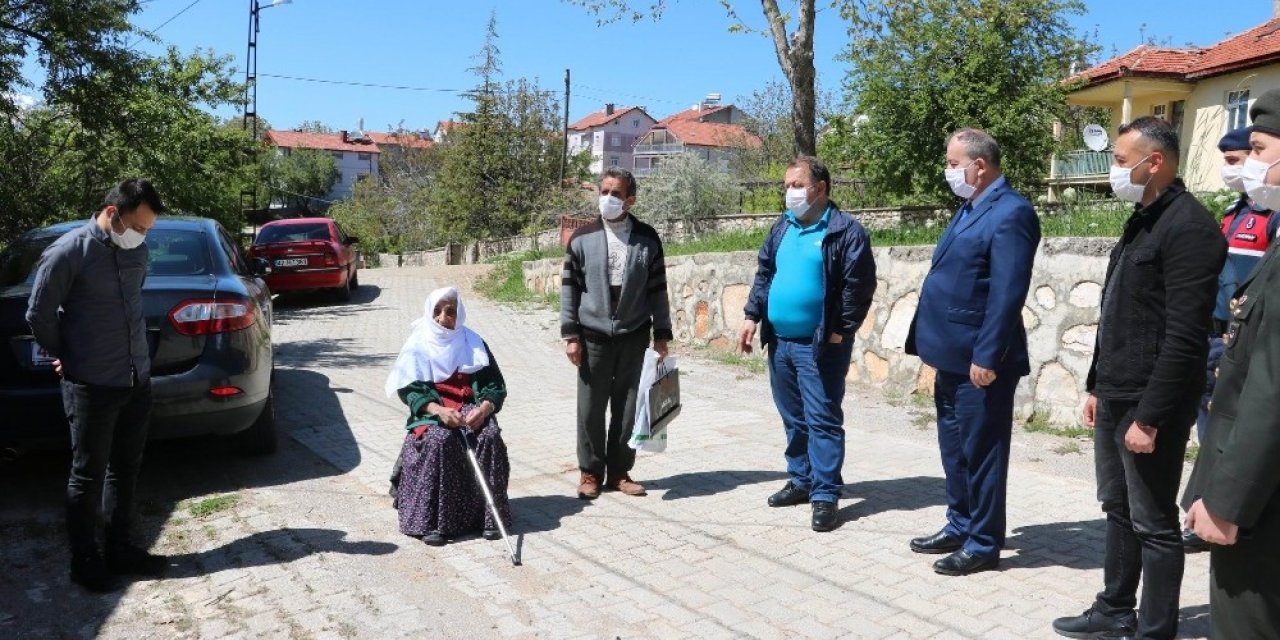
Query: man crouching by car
{"x": 86, "y": 311}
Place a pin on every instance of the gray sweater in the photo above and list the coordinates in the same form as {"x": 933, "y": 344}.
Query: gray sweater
{"x": 584, "y": 288}
{"x": 86, "y": 308}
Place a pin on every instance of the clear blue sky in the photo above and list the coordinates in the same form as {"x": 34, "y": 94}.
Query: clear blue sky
{"x": 665, "y": 65}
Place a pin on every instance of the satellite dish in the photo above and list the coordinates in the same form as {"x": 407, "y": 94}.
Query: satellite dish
{"x": 1095, "y": 137}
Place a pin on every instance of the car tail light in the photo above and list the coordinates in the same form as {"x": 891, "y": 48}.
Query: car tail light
{"x": 203, "y": 317}
{"x": 225, "y": 392}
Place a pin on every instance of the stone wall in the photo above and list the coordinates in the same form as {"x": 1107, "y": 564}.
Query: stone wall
{"x": 708, "y": 292}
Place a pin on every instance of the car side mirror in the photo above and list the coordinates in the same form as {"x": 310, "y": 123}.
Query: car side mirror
{"x": 352, "y": 239}
{"x": 260, "y": 266}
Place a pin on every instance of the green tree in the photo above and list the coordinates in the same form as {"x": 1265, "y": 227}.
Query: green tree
{"x": 301, "y": 178}
{"x": 687, "y": 189}
{"x": 923, "y": 68}
{"x": 59, "y": 167}
{"x": 500, "y": 167}
{"x": 794, "y": 49}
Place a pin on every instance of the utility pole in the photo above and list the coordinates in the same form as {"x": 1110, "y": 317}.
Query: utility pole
{"x": 249, "y": 197}
{"x": 564, "y": 154}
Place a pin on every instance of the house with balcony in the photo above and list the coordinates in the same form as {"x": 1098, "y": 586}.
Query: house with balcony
{"x": 710, "y": 130}
{"x": 609, "y": 135}
{"x": 1204, "y": 92}
{"x": 356, "y": 155}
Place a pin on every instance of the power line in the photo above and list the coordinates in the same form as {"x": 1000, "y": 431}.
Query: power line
{"x": 166, "y": 22}
{"x": 372, "y": 85}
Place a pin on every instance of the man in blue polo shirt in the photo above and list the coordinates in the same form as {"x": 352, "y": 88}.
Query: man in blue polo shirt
{"x": 812, "y": 290}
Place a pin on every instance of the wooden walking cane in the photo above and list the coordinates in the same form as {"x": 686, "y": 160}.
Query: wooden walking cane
{"x": 488, "y": 495}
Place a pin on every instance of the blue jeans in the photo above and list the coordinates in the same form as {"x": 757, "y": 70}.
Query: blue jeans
{"x": 808, "y": 392}
{"x": 974, "y": 428}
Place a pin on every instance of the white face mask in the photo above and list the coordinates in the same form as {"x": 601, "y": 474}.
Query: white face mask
{"x": 611, "y": 208}
{"x": 130, "y": 239}
{"x": 1231, "y": 176}
{"x": 1254, "y": 176}
{"x": 798, "y": 201}
{"x": 957, "y": 182}
{"x": 1124, "y": 188}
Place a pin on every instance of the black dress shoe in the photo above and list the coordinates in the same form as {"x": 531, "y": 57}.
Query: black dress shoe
{"x": 491, "y": 534}
{"x": 963, "y": 563}
{"x": 1092, "y": 624}
{"x": 789, "y": 496}
{"x": 824, "y": 515}
{"x": 940, "y": 542}
{"x": 1191, "y": 543}
{"x": 434, "y": 539}
{"x": 129, "y": 560}
{"x": 91, "y": 573}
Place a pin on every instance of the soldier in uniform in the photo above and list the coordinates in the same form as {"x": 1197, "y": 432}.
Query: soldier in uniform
{"x": 1233, "y": 496}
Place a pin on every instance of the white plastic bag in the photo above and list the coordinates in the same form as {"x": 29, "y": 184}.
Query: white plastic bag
{"x": 642, "y": 438}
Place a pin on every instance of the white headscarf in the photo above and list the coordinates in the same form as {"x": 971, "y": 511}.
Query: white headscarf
{"x": 433, "y": 353}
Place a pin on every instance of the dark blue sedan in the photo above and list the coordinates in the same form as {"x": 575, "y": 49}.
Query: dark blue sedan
{"x": 208, "y": 316}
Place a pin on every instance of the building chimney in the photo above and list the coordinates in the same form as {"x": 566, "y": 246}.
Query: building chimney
{"x": 608, "y": 107}
{"x": 1275, "y": 9}
{"x": 344, "y": 136}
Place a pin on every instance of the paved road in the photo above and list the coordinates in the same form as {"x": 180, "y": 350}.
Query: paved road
{"x": 307, "y": 546}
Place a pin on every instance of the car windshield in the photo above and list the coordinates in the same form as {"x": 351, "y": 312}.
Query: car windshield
{"x": 173, "y": 252}
{"x": 293, "y": 232}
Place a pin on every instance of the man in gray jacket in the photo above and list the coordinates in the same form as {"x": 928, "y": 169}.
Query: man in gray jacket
{"x": 613, "y": 294}
{"x": 86, "y": 311}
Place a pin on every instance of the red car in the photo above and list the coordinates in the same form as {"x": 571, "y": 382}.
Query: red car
{"x": 308, "y": 253}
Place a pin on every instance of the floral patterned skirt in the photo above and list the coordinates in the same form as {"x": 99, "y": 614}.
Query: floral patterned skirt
{"x": 437, "y": 488}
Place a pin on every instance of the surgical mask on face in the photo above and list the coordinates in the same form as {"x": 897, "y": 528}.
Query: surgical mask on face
{"x": 130, "y": 239}
{"x": 1124, "y": 187}
{"x": 1231, "y": 176}
{"x": 957, "y": 182}
{"x": 798, "y": 200}
{"x": 1254, "y": 176}
{"x": 610, "y": 207}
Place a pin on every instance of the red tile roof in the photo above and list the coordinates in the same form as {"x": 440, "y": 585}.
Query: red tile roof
{"x": 694, "y": 113}
{"x": 447, "y": 125}
{"x": 323, "y": 141}
{"x": 600, "y": 118}
{"x": 1257, "y": 46}
{"x": 711, "y": 134}
{"x": 1144, "y": 60}
{"x": 400, "y": 139}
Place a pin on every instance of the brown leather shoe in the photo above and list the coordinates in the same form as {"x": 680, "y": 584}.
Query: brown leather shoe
{"x": 589, "y": 486}
{"x": 626, "y": 485}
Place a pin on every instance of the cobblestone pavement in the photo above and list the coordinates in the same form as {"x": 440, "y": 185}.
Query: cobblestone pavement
{"x": 304, "y": 543}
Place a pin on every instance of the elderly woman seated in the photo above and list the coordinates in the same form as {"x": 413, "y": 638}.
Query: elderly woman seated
{"x": 449, "y": 379}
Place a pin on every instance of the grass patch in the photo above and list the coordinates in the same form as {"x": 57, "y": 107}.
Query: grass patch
{"x": 736, "y": 359}
{"x": 1193, "y": 452}
{"x": 1040, "y": 424}
{"x": 739, "y": 240}
{"x": 213, "y": 505}
{"x": 1067, "y": 447}
{"x": 923, "y": 421}
{"x": 505, "y": 283}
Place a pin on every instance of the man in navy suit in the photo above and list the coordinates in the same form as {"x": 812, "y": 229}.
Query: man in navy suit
{"x": 968, "y": 326}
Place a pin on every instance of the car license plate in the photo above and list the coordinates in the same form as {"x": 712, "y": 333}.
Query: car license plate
{"x": 292, "y": 262}
{"x": 40, "y": 357}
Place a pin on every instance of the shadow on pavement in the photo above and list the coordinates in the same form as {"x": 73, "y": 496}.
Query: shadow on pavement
{"x": 706, "y": 483}
{"x": 1075, "y": 545}
{"x": 893, "y": 494}
{"x": 289, "y": 304}
{"x": 535, "y": 514}
{"x": 37, "y": 599}
{"x": 271, "y": 547}
{"x": 331, "y": 352}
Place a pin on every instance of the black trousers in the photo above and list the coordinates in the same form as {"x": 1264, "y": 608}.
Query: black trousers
{"x": 1139, "y": 493}
{"x": 608, "y": 378}
{"x": 108, "y": 434}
